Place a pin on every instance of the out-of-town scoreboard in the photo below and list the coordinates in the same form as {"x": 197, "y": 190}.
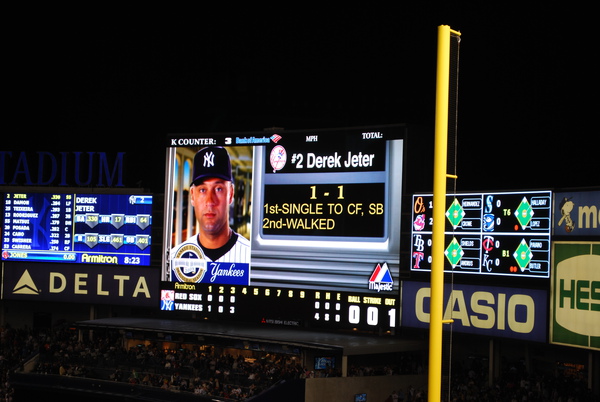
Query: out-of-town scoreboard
{"x": 504, "y": 233}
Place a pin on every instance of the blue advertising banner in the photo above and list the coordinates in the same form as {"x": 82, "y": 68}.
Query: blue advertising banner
{"x": 80, "y": 283}
{"x": 483, "y": 310}
{"x": 577, "y": 214}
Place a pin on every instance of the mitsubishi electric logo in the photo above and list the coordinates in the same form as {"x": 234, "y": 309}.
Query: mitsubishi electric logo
{"x": 381, "y": 279}
{"x": 26, "y": 286}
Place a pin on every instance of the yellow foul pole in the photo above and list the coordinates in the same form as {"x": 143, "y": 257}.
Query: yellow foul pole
{"x": 439, "y": 204}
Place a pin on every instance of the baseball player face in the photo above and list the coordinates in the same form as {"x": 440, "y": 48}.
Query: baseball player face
{"x": 211, "y": 201}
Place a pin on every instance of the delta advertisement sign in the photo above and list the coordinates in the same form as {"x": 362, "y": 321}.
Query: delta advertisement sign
{"x": 575, "y": 295}
{"x": 80, "y": 284}
{"x": 482, "y": 310}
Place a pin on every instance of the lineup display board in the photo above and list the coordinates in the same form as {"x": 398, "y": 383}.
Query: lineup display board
{"x": 320, "y": 211}
{"x": 111, "y": 229}
{"x": 487, "y": 234}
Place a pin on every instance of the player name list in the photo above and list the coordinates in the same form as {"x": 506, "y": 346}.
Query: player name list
{"x": 41, "y": 221}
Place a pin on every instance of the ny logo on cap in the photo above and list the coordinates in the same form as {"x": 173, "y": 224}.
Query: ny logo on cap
{"x": 209, "y": 159}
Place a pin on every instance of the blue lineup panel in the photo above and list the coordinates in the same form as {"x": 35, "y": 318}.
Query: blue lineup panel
{"x": 113, "y": 229}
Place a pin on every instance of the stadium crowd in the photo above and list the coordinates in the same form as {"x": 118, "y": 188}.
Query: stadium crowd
{"x": 200, "y": 371}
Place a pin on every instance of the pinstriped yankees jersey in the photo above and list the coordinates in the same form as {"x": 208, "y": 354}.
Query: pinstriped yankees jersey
{"x": 237, "y": 249}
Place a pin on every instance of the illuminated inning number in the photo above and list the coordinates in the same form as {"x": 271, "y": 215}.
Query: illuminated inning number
{"x": 354, "y": 315}
{"x": 372, "y": 316}
{"x": 392, "y": 314}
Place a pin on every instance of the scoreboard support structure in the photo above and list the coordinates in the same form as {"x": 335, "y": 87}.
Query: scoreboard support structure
{"x": 439, "y": 194}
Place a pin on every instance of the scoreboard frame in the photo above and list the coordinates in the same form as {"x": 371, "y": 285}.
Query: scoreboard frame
{"x": 493, "y": 233}
{"x": 314, "y": 272}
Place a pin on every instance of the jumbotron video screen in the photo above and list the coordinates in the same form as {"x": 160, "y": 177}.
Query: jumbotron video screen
{"x": 292, "y": 227}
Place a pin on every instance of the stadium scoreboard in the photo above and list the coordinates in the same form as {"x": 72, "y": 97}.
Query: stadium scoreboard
{"x": 283, "y": 306}
{"x": 504, "y": 233}
{"x": 322, "y": 212}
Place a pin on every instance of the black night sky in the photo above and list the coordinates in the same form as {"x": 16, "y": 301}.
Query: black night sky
{"x": 84, "y": 80}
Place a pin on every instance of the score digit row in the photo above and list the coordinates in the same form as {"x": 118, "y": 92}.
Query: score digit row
{"x": 115, "y": 240}
{"x": 117, "y": 220}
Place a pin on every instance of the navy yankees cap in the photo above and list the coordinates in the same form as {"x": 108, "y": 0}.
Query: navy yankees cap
{"x": 211, "y": 162}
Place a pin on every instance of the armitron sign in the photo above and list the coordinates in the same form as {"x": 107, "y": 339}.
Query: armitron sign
{"x": 80, "y": 284}
{"x": 575, "y": 314}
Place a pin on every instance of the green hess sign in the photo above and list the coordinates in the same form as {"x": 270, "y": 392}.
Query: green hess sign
{"x": 575, "y": 314}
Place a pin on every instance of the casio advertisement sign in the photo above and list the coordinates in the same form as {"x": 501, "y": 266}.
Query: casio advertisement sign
{"x": 482, "y": 310}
